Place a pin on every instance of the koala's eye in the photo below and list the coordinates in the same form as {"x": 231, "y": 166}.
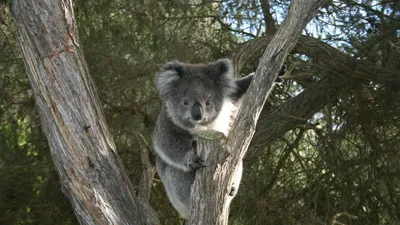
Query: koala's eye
{"x": 208, "y": 103}
{"x": 185, "y": 102}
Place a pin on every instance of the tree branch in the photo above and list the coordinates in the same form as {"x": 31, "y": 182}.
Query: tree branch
{"x": 323, "y": 55}
{"x": 304, "y": 105}
{"x": 270, "y": 27}
{"x": 222, "y": 170}
{"x": 346, "y": 70}
{"x": 300, "y": 13}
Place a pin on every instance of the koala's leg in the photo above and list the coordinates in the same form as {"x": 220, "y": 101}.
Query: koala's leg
{"x": 177, "y": 184}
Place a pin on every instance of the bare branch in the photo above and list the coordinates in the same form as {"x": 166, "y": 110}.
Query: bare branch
{"x": 270, "y": 27}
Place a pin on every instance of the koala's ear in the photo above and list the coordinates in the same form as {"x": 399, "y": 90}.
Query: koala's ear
{"x": 224, "y": 67}
{"x": 166, "y": 79}
{"x": 222, "y": 73}
{"x": 174, "y": 66}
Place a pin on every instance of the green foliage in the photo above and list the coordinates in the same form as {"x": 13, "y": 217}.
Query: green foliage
{"x": 340, "y": 166}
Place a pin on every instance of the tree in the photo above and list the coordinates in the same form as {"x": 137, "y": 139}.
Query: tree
{"x": 81, "y": 146}
{"x": 91, "y": 172}
{"x": 210, "y": 191}
{"x": 325, "y": 150}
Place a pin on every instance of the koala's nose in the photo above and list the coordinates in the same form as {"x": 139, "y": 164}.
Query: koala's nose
{"x": 197, "y": 111}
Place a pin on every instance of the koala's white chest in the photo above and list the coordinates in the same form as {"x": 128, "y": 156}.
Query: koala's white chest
{"x": 225, "y": 118}
{"x": 223, "y": 121}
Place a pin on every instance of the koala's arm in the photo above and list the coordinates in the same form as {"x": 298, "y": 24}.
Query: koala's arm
{"x": 176, "y": 147}
{"x": 178, "y": 152}
{"x": 242, "y": 84}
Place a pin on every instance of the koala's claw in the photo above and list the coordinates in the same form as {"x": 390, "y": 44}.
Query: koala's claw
{"x": 279, "y": 80}
{"x": 197, "y": 165}
{"x": 194, "y": 162}
{"x": 283, "y": 70}
{"x": 233, "y": 191}
{"x": 281, "y": 73}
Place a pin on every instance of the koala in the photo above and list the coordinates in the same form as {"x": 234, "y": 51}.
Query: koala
{"x": 194, "y": 97}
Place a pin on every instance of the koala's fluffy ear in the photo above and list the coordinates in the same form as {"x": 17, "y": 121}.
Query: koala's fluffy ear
{"x": 174, "y": 66}
{"x": 165, "y": 79}
{"x": 225, "y": 67}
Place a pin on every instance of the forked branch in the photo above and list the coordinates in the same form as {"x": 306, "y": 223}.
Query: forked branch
{"x": 210, "y": 205}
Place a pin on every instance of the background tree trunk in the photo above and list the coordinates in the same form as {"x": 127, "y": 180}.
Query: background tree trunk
{"x": 205, "y": 202}
{"x": 90, "y": 170}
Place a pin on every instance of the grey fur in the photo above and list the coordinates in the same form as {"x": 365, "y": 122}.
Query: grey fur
{"x": 193, "y": 99}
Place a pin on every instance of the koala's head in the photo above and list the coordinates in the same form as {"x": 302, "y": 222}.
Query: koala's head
{"x": 194, "y": 94}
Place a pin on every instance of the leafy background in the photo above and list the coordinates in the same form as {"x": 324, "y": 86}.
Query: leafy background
{"x": 341, "y": 166}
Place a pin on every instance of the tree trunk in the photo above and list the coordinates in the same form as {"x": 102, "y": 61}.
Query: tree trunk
{"x": 90, "y": 170}
{"x": 207, "y": 199}
{"x": 210, "y": 192}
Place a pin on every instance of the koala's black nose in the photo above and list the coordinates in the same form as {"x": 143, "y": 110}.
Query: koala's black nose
{"x": 197, "y": 111}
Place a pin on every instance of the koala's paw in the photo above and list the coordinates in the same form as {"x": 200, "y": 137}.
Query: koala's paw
{"x": 281, "y": 73}
{"x": 283, "y": 70}
{"x": 233, "y": 191}
{"x": 193, "y": 161}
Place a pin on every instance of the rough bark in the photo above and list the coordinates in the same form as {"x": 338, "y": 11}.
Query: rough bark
{"x": 209, "y": 210}
{"x": 90, "y": 170}
{"x": 237, "y": 143}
